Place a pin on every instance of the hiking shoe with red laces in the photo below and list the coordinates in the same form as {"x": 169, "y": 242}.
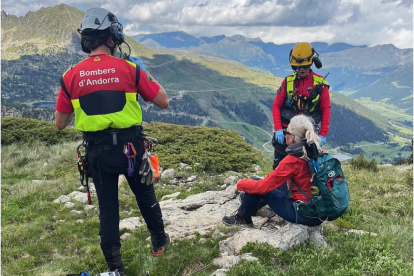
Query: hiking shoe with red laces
{"x": 156, "y": 251}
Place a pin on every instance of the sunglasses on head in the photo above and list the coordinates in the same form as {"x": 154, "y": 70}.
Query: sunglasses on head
{"x": 300, "y": 67}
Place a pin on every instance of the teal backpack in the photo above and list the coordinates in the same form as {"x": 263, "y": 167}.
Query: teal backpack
{"x": 332, "y": 199}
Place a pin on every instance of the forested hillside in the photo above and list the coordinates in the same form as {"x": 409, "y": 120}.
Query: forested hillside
{"x": 204, "y": 89}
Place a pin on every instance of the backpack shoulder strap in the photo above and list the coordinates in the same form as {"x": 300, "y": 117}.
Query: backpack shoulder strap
{"x": 286, "y": 84}
{"x": 137, "y": 74}
{"x": 62, "y": 83}
{"x": 299, "y": 188}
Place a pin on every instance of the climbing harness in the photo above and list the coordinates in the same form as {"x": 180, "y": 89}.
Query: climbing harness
{"x": 130, "y": 153}
{"x": 83, "y": 168}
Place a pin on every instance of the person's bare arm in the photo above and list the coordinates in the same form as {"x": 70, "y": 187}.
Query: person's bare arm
{"x": 161, "y": 100}
{"x": 62, "y": 119}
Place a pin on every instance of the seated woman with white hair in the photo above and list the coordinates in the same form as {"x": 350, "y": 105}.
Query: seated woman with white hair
{"x": 273, "y": 188}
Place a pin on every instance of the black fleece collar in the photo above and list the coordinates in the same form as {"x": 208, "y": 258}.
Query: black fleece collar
{"x": 296, "y": 149}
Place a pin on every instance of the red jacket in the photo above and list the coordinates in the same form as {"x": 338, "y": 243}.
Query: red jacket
{"x": 291, "y": 167}
{"x": 300, "y": 85}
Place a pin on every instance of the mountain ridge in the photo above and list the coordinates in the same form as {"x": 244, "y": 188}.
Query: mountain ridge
{"x": 204, "y": 89}
{"x": 322, "y": 45}
{"x": 352, "y": 68}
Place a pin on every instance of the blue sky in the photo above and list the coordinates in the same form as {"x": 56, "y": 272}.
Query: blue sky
{"x": 356, "y": 22}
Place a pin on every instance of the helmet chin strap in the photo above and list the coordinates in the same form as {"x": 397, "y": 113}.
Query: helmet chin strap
{"x": 112, "y": 49}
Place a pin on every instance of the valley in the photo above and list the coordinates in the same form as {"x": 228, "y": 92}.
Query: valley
{"x": 210, "y": 89}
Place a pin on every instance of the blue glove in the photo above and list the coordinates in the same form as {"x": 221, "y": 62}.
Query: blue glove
{"x": 138, "y": 61}
{"x": 279, "y": 137}
{"x": 323, "y": 140}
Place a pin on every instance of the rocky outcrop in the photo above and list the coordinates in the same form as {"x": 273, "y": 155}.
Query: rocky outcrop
{"x": 183, "y": 217}
{"x": 203, "y": 213}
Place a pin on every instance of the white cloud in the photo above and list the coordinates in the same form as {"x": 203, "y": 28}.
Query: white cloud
{"x": 280, "y": 21}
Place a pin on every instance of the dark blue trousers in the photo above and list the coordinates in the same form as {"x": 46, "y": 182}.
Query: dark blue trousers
{"x": 279, "y": 202}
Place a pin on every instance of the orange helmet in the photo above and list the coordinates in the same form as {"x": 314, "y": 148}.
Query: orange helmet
{"x": 301, "y": 55}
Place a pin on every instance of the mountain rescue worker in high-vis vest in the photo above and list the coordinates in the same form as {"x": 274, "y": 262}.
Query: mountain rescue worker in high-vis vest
{"x": 303, "y": 92}
{"x": 102, "y": 92}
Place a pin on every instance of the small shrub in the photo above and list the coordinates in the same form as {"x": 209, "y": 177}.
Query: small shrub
{"x": 362, "y": 164}
{"x": 204, "y": 148}
{"x": 15, "y": 130}
{"x": 401, "y": 161}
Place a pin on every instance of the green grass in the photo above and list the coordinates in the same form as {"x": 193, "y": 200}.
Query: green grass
{"x": 382, "y": 203}
{"x": 43, "y": 238}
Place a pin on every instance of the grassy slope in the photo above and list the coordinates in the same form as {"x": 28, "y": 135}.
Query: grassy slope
{"x": 43, "y": 238}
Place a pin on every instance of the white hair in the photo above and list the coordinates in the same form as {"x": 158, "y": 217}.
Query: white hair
{"x": 301, "y": 127}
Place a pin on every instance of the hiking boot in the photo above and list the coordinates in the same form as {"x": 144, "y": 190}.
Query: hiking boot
{"x": 156, "y": 251}
{"x": 120, "y": 268}
{"x": 237, "y": 220}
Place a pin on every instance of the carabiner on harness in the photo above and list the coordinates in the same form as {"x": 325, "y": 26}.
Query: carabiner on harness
{"x": 83, "y": 168}
{"x": 130, "y": 153}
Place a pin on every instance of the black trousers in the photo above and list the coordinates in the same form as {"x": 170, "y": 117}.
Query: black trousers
{"x": 280, "y": 153}
{"x": 106, "y": 163}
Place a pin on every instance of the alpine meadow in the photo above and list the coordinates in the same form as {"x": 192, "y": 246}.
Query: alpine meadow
{"x": 216, "y": 131}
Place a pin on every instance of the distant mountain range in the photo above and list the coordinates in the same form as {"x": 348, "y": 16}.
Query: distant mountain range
{"x": 184, "y": 40}
{"x": 352, "y": 68}
{"x": 204, "y": 88}
{"x": 252, "y": 52}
